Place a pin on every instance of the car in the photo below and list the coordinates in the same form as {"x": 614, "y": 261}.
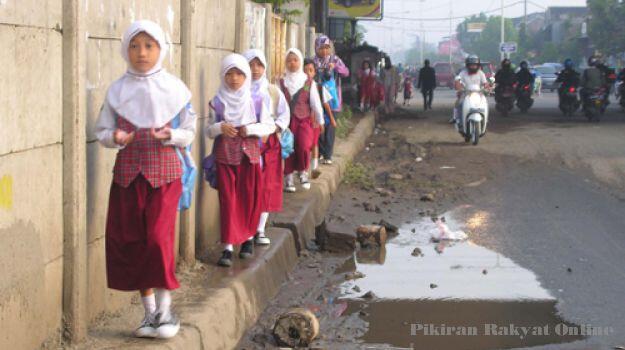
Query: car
{"x": 549, "y": 74}
{"x": 557, "y": 66}
{"x": 445, "y": 74}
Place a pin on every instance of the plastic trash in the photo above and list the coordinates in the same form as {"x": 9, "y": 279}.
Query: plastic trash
{"x": 446, "y": 234}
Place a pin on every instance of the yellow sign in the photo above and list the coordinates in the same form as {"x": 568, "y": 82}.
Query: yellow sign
{"x": 6, "y": 192}
{"x": 364, "y": 9}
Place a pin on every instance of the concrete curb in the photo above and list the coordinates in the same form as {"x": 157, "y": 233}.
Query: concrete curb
{"x": 232, "y": 299}
{"x": 304, "y": 211}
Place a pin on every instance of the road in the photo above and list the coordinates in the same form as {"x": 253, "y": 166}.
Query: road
{"x": 542, "y": 201}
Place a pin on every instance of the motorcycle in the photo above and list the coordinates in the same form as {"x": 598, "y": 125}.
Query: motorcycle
{"x": 524, "y": 97}
{"x": 568, "y": 100}
{"x": 620, "y": 92}
{"x": 474, "y": 119}
{"x": 595, "y": 104}
{"x": 504, "y": 100}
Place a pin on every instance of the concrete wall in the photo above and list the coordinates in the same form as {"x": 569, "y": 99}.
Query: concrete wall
{"x": 32, "y": 137}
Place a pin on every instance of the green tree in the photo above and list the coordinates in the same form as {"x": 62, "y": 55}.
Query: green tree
{"x": 487, "y": 45}
{"x": 606, "y": 27}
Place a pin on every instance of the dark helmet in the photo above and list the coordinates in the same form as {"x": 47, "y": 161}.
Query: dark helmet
{"x": 427, "y": 63}
{"x": 472, "y": 63}
{"x": 523, "y": 64}
{"x": 506, "y": 63}
{"x": 593, "y": 61}
{"x": 568, "y": 63}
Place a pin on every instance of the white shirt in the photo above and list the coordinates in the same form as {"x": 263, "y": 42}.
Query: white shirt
{"x": 180, "y": 137}
{"x": 327, "y": 97}
{"x": 467, "y": 79}
{"x": 266, "y": 126}
{"x": 315, "y": 103}
{"x": 282, "y": 114}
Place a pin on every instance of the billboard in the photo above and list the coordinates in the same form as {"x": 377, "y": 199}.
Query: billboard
{"x": 475, "y": 27}
{"x": 356, "y": 9}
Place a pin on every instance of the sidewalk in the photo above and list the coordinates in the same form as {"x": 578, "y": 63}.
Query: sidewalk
{"x": 217, "y": 305}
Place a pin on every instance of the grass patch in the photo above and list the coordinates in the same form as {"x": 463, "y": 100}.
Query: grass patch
{"x": 343, "y": 122}
{"x": 358, "y": 174}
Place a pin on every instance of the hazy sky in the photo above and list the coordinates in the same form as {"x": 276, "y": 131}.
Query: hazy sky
{"x": 395, "y": 34}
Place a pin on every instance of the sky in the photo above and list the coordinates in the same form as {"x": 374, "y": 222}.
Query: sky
{"x": 392, "y": 34}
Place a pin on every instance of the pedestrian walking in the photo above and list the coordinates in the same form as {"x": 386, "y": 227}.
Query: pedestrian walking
{"x": 366, "y": 82}
{"x": 330, "y": 70}
{"x": 407, "y": 90}
{"x": 325, "y": 141}
{"x": 390, "y": 80}
{"x": 427, "y": 84}
{"x": 136, "y": 119}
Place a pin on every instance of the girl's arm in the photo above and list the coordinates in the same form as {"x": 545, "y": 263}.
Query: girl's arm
{"x": 105, "y": 127}
{"x": 284, "y": 112}
{"x": 315, "y": 103}
{"x": 184, "y": 134}
{"x": 213, "y": 129}
{"x": 266, "y": 127}
{"x": 341, "y": 68}
{"x": 328, "y": 110}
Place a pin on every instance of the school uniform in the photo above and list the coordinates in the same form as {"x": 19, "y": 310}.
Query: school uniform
{"x": 326, "y": 139}
{"x": 305, "y": 104}
{"x": 239, "y": 174}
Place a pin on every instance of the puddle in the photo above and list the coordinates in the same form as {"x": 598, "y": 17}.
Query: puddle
{"x": 455, "y": 295}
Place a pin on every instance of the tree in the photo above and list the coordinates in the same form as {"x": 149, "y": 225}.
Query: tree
{"x": 606, "y": 27}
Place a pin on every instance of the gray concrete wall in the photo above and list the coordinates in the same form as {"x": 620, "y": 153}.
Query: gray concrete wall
{"x": 32, "y": 153}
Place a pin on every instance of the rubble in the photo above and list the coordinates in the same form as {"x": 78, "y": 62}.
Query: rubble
{"x": 371, "y": 235}
{"x": 296, "y": 328}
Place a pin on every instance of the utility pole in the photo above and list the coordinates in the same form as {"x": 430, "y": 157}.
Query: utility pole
{"x": 421, "y": 37}
{"x": 450, "y": 16}
{"x": 503, "y": 55}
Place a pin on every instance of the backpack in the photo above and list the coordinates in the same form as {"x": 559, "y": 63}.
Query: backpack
{"x": 189, "y": 170}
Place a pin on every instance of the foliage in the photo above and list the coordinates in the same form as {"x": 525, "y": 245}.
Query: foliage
{"x": 358, "y": 37}
{"x": 486, "y": 44}
{"x": 343, "y": 122}
{"x": 288, "y": 15}
{"x": 606, "y": 27}
{"x": 358, "y": 174}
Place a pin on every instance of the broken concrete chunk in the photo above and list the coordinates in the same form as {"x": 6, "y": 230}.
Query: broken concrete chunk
{"x": 354, "y": 275}
{"x": 417, "y": 252}
{"x": 371, "y": 235}
{"x": 429, "y": 197}
{"x": 391, "y": 230}
{"x": 296, "y": 328}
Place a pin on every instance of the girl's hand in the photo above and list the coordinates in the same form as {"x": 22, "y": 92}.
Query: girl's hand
{"x": 162, "y": 134}
{"x": 331, "y": 66}
{"x": 333, "y": 122}
{"x": 322, "y": 128}
{"x": 243, "y": 131}
{"x": 123, "y": 138}
{"x": 229, "y": 130}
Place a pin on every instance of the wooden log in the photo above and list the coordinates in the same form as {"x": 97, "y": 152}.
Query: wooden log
{"x": 371, "y": 235}
{"x": 296, "y": 328}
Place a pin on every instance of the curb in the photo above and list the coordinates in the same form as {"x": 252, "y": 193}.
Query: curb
{"x": 219, "y": 311}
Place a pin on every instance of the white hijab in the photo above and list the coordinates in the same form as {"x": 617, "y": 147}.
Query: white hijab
{"x": 262, "y": 84}
{"x": 295, "y": 80}
{"x": 238, "y": 103}
{"x": 152, "y": 99}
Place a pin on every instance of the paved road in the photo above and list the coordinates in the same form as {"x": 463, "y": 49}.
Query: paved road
{"x": 558, "y": 210}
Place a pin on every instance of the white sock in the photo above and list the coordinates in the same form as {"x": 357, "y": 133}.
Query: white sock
{"x": 315, "y": 163}
{"x": 289, "y": 179}
{"x": 261, "y": 224}
{"x": 149, "y": 304}
{"x": 163, "y": 301}
{"x": 228, "y": 246}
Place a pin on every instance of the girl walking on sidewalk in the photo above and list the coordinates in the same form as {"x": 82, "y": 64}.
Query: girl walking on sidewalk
{"x": 305, "y": 104}
{"x": 325, "y": 135}
{"x": 136, "y": 119}
{"x": 271, "y": 151}
{"x": 237, "y": 131}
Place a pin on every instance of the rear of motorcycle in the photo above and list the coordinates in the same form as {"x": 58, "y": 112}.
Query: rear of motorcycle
{"x": 524, "y": 100}
{"x": 568, "y": 100}
{"x": 594, "y": 105}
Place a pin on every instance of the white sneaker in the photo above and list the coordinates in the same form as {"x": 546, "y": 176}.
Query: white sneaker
{"x": 168, "y": 325}
{"x": 147, "y": 328}
{"x": 303, "y": 178}
{"x": 261, "y": 239}
{"x": 328, "y": 161}
{"x": 290, "y": 184}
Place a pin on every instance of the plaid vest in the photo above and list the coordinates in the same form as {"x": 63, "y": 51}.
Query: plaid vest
{"x": 300, "y": 102}
{"x": 159, "y": 164}
{"x": 230, "y": 150}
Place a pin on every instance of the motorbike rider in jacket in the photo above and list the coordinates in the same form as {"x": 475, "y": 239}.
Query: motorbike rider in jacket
{"x": 568, "y": 76}
{"x": 504, "y": 77}
{"x": 524, "y": 76}
{"x": 592, "y": 78}
{"x": 472, "y": 74}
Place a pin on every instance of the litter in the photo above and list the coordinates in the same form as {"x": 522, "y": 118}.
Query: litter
{"x": 446, "y": 234}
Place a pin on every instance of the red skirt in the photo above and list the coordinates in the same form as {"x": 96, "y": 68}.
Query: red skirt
{"x": 316, "y": 133}
{"x": 240, "y": 201}
{"x": 140, "y": 235}
{"x": 272, "y": 175}
{"x": 303, "y": 133}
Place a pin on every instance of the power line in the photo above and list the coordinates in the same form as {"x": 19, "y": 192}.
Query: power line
{"x": 498, "y": 9}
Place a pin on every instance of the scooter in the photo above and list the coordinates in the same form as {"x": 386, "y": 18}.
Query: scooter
{"x": 594, "y": 104}
{"x": 474, "y": 119}
{"x": 504, "y": 100}
{"x": 568, "y": 100}
{"x": 524, "y": 97}
{"x": 620, "y": 92}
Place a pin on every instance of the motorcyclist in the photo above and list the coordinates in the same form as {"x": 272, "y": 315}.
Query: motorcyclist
{"x": 568, "y": 76}
{"x": 505, "y": 77}
{"x": 524, "y": 76}
{"x": 609, "y": 76}
{"x": 471, "y": 75}
{"x": 592, "y": 78}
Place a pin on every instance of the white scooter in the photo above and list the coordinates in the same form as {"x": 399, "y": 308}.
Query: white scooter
{"x": 474, "y": 117}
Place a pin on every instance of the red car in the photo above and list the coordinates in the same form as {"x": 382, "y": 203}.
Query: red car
{"x": 445, "y": 74}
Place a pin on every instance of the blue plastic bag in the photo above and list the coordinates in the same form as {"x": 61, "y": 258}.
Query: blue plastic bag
{"x": 287, "y": 142}
{"x": 189, "y": 171}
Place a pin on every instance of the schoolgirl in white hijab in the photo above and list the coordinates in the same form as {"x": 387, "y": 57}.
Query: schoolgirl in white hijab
{"x": 147, "y": 100}
{"x": 136, "y": 116}
{"x": 238, "y": 104}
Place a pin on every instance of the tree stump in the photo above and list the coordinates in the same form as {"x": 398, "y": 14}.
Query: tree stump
{"x": 297, "y": 328}
{"x": 371, "y": 235}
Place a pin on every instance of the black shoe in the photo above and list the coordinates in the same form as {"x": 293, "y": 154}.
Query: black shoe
{"x": 247, "y": 250}
{"x": 226, "y": 259}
